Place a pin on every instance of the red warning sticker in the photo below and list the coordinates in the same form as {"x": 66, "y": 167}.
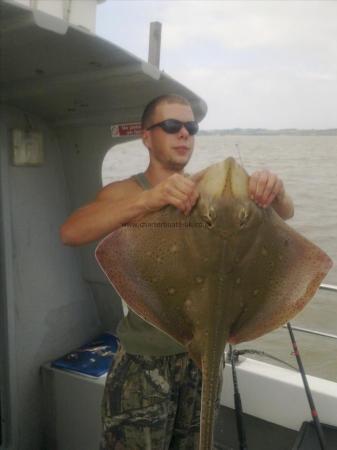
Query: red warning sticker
{"x": 126, "y": 129}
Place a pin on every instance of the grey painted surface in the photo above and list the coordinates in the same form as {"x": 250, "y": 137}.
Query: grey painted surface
{"x": 7, "y": 296}
{"x": 83, "y": 151}
{"x": 54, "y": 306}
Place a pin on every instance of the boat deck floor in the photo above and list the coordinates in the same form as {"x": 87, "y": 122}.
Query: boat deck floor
{"x": 263, "y": 435}
{"x": 307, "y": 438}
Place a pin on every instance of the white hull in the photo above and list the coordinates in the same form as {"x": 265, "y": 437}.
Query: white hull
{"x": 277, "y": 394}
{"x": 267, "y": 392}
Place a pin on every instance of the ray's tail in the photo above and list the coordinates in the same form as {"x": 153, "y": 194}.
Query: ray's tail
{"x": 212, "y": 366}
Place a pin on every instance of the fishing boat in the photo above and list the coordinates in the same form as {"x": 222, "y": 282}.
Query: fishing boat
{"x": 67, "y": 97}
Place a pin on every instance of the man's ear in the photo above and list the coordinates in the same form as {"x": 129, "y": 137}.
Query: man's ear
{"x": 146, "y": 138}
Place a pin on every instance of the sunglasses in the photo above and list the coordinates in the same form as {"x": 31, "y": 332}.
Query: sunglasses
{"x": 172, "y": 126}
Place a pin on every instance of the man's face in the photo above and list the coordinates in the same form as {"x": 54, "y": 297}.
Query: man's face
{"x": 172, "y": 151}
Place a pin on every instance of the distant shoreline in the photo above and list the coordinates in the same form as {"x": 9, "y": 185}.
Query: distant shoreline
{"x": 266, "y": 132}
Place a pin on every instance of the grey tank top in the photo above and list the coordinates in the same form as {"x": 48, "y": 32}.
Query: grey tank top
{"x": 136, "y": 335}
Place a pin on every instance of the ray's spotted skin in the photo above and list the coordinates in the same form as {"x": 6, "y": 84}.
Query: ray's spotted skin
{"x": 242, "y": 274}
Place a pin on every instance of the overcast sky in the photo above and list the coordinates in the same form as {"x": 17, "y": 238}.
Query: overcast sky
{"x": 257, "y": 64}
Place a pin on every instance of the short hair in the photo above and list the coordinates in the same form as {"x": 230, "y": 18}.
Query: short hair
{"x": 152, "y": 105}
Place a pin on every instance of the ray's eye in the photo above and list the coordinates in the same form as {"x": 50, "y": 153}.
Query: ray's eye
{"x": 208, "y": 221}
{"x": 243, "y": 218}
{"x": 209, "y": 218}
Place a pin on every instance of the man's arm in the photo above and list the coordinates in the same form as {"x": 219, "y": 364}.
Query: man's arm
{"x": 106, "y": 213}
{"x": 267, "y": 189}
{"x": 122, "y": 202}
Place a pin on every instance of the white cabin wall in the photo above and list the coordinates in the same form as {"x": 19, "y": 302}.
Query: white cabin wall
{"x": 53, "y": 7}
{"x": 83, "y": 151}
{"x": 53, "y": 307}
{"x": 83, "y": 16}
{"x": 77, "y": 12}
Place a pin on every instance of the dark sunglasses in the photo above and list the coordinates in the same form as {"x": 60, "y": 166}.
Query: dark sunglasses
{"x": 172, "y": 126}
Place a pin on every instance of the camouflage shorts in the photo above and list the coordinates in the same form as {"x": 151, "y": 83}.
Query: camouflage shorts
{"x": 151, "y": 403}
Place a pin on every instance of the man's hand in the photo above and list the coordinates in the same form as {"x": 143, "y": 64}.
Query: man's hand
{"x": 267, "y": 189}
{"x": 264, "y": 187}
{"x": 176, "y": 190}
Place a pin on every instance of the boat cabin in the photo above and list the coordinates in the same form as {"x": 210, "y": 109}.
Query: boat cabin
{"x": 62, "y": 88}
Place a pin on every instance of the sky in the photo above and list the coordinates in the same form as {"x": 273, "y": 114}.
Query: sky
{"x": 257, "y": 64}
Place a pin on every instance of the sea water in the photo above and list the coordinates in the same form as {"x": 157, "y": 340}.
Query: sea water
{"x": 308, "y": 168}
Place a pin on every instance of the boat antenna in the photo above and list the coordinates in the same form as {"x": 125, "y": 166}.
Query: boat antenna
{"x": 313, "y": 409}
{"x": 237, "y": 149}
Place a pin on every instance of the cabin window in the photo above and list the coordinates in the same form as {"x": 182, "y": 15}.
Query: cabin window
{"x": 124, "y": 160}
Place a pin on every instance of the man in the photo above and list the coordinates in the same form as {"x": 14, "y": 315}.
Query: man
{"x": 152, "y": 393}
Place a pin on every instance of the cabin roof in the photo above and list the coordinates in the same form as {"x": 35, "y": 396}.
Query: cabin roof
{"x": 70, "y": 76}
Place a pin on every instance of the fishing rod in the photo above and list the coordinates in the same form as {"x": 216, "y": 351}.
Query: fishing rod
{"x": 248, "y": 351}
{"x": 313, "y": 410}
{"x": 239, "y": 154}
{"x": 237, "y": 403}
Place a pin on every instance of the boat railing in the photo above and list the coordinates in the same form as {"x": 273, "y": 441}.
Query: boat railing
{"x": 326, "y": 287}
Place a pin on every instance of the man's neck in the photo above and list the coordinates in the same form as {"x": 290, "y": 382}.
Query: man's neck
{"x": 157, "y": 174}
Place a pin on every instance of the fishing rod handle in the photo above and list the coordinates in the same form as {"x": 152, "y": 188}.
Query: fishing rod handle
{"x": 239, "y": 422}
